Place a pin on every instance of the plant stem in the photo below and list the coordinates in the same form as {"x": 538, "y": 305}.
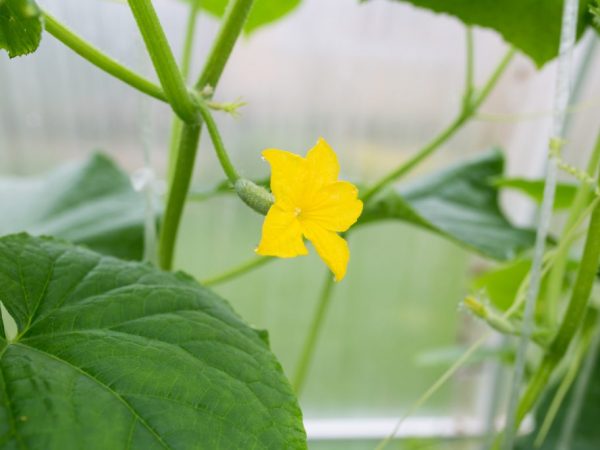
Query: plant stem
{"x": 556, "y": 277}
{"x": 186, "y": 59}
{"x": 490, "y": 84}
{"x": 574, "y": 365}
{"x": 469, "y": 69}
{"x": 515, "y": 307}
{"x": 562, "y": 95}
{"x": 572, "y": 320}
{"x": 417, "y": 158}
{"x": 557, "y": 274}
{"x": 237, "y": 271}
{"x": 178, "y": 193}
{"x": 313, "y": 334}
{"x": 232, "y": 26}
{"x": 176, "y": 128}
{"x": 572, "y": 417}
{"x": 465, "y": 114}
{"x": 582, "y": 289}
{"x": 215, "y": 136}
{"x": 163, "y": 60}
{"x": 180, "y": 184}
{"x": 101, "y": 60}
{"x": 233, "y": 23}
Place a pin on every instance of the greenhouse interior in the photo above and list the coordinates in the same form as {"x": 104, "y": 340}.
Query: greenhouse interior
{"x": 291, "y": 224}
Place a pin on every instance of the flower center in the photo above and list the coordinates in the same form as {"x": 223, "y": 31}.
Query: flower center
{"x": 297, "y": 211}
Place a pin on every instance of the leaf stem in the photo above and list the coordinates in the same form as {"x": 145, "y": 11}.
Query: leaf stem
{"x": 313, "y": 333}
{"x": 101, "y": 60}
{"x": 231, "y": 28}
{"x": 465, "y": 114}
{"x": 237, "y": 271}
{"x": 421, "y": 155}
{"x": 163, "y": 60}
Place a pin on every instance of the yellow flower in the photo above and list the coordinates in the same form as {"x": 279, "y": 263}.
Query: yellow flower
{"x": 309, "y": 202}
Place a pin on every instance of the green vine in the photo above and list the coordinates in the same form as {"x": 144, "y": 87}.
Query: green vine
{"x": 466, "y": 113}
{"x": 185, "y": 155}
{"x": 186, "y": 61}
{"x": 314, "y": 330}
{"x": 163, "y": 60}
{"x": 572, "y": 321}
{"x": 192, "y": 107}
{"x": 100, "y": 60}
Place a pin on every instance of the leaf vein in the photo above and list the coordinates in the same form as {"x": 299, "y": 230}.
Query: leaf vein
{"x": 118, "y": 396}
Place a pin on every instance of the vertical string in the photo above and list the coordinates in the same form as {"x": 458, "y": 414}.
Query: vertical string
{"x": 144, "y": 180}
{"x": 561, "y": 100}
{"x": 147, "y": 184}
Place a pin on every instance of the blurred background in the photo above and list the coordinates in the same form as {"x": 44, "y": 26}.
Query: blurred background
{"x": 377, "y": 80}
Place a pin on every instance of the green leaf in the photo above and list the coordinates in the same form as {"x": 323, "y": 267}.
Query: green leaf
{"x": 263, "y": 12}
{"x": 90, "y": 203}
{"x": 20, "y": 27}
{"x": 460, "y": 204}
{"x": 501, "y": 284}
{"x": 532, "y": 26}
{"x": 114, "y": 354}
{"x": 565, "y": 192}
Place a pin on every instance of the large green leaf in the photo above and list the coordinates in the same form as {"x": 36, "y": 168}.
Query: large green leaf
{"x": 114, "y": 355}
{"x": 458, "y": 203}
{"x": 263, "y": 12}
{"x": 90, "y": 203}
{"x": 20, "y": 27}
{"x": 533, "y": 26}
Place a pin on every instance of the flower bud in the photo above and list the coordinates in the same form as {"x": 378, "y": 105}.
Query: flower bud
{"x": 476, "y": 307}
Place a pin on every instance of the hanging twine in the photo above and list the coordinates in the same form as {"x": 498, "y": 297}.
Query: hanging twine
{"x": 561, "y": 100}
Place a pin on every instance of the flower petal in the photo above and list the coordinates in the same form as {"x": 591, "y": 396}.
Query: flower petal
{"x": 332, "y": 248}
{"x": 323, "y": 164}
{"x": 336, "y": 207}
{"x": 288, "y": 176}
{"x": 281, "y": 235}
